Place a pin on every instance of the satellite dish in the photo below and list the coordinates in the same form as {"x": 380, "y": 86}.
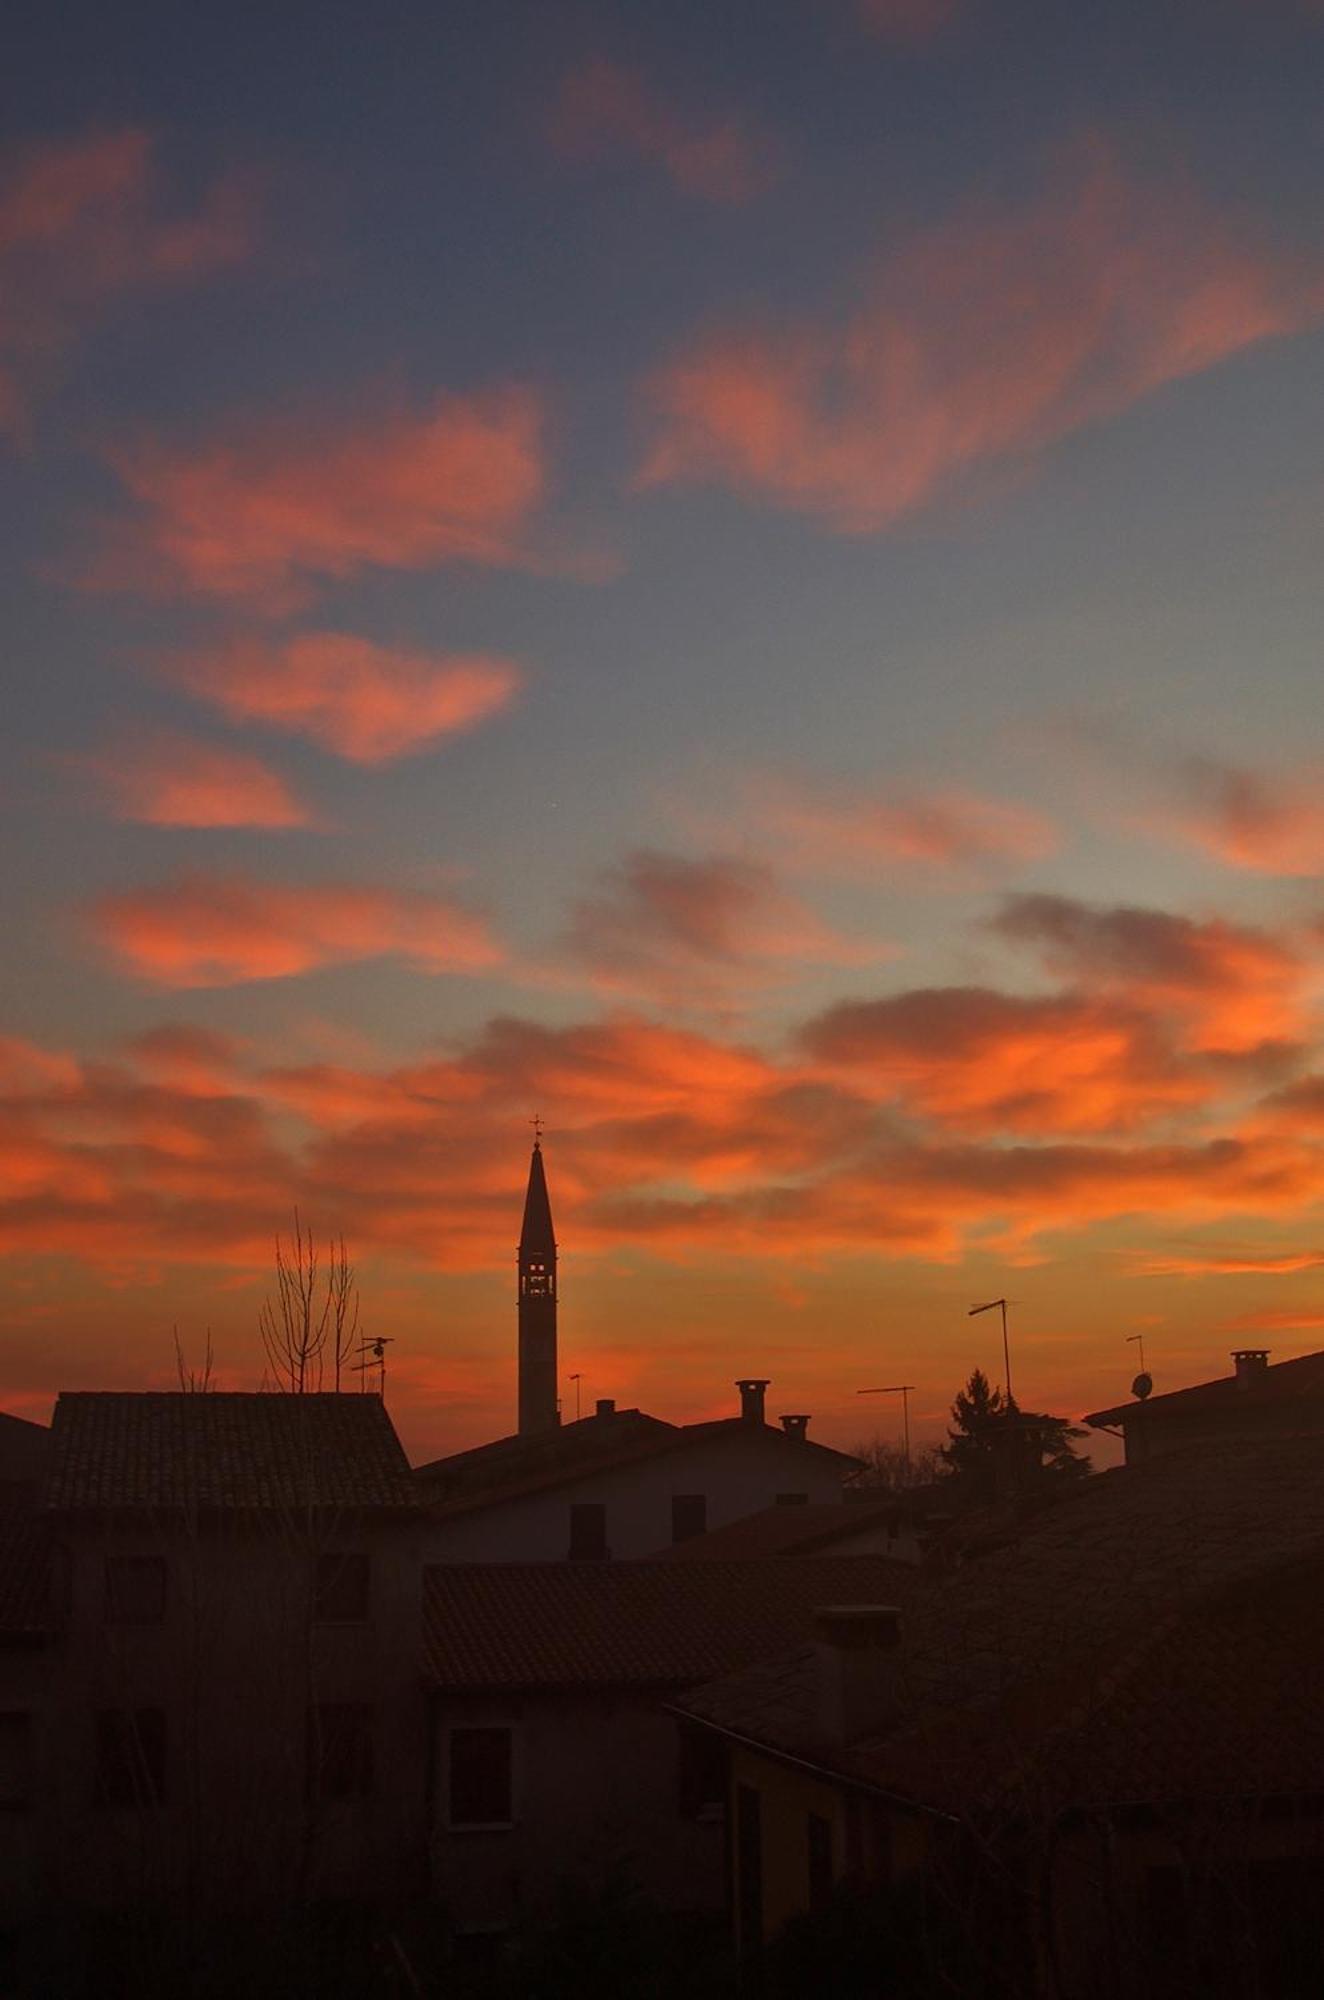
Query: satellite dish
{"x": 1142, "y": 1386}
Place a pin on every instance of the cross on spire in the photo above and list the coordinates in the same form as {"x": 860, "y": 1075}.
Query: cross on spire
{"x": 538, "y": 1127}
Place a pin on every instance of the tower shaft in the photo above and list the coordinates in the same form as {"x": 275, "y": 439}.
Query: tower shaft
{"x": 538, "y": 1409}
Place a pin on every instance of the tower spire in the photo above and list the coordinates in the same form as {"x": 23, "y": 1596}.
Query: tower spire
{"x": 537, "y": 1302}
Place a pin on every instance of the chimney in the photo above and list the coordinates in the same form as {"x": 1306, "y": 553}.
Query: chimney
{"x": 795, "y": 1427}
{"x": 753, "y": 1390}
{"x": 1252, "y": 1365}
{"x": 856, "y": 1649}
{"x": 606, "y": 1406}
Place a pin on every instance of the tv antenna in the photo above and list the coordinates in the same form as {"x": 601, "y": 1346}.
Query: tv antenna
{"x": 576, "y": 1380}
{"x": 374, "y": 1356}
{"x": 1002, "y": 1305}
{"x": 901, "y": 1389}
{"x": 1144, "y": 1381}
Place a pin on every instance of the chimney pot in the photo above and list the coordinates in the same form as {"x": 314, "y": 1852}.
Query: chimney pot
{"x": 753, "y": 1393}
{"x": 1252, "y": 1365}
{"x": 606, "y": 1406}
{"x": 856, "y": 1647}
{"x": 795, "y": 1427}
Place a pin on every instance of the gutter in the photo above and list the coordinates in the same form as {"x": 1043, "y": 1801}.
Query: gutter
{"x": 816, "y": 1770}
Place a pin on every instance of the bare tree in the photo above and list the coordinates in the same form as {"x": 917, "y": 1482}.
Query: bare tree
{"x": 193, "y": 1381}
{"x": 311, "y": 1324}
{"x": 891, "y": 1469}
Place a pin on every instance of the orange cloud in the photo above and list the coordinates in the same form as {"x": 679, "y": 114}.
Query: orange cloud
{"x": 223, "y": 930}
{"x": 987, "y": 339}
{"x": 171, "y": 780}
{"x": 669, "y": 924}
{"x": 368, "y": 703}
{"x": 941, "y": 830}
{"x": 988, "y": 1061}
{"x": 692, "y": 1145}
{"x": 261, "y": 516}
{"x": 1204, "y": 1264}
{"x": 82, "y": 221}
{"x": 1249, "y": 821}
{"x": 1234, "y": 988}
{"x": 605, "y": 110}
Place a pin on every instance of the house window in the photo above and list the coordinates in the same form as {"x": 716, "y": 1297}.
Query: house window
{"x": 130, "y": 1749}
{"x": 135, "y": 1589}
{"x": 792, "y": 1499}
{"x": 15, "y": 1759}
{"x": 689, "y": 1515}
{"x": 749, "y": 1867}
{"x": 481, "y": 1788}
{"x": 341, "y": 1588}
{"x": 340, "y": 1750}
{"x": 588, "y": 1531}
{"x": 818, "y": 1844}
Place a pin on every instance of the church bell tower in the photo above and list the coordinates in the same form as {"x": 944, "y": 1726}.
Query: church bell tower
{"x": 537, "y": 1306}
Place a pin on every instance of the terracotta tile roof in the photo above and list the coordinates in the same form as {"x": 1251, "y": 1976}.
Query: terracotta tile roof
{"x": 24, "y": 1575}
{"x": 1133, "y": 1596}
{"x": 119, "y": 1449}
{"x": 633, "y": 1624}
{"x": 1281, "y": 1382}
{"x": 512, "y": 1467}
{"x": 785, "y": 1531}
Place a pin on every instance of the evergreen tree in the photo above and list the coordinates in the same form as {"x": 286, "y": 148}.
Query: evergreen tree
{"x": 991, "y": 1435}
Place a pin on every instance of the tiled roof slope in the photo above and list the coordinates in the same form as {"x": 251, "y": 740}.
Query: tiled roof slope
{"x": 1282, "y": 1382}
{"x": 24, "y": 1575}
{"x": 786, "y": 1531}
{"x": 118, "y": 1449}
{"x": 23, "y": 1448}
{"x": 1217, "y": 1701}
{"x": 639, "y": 1624}
{"x": 1051, "y": 1627}
{"x": 512, "y": 1467}
{"x": 515, "y": 1462}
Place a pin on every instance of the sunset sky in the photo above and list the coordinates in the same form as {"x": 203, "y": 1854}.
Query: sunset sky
{"x": 744, "y": 578}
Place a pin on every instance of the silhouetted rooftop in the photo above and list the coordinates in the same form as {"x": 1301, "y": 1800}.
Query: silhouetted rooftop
{"x": 515, "y": 1626}
{"x": 787, "y": 1531}
{"x": 123, "y": 1449}
{"x": 1279, "y": 1382}
{"x": 513, "y": 1466}
{"x": 1085, "y": 1636}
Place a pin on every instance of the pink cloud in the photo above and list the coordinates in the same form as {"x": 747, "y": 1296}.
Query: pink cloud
{"x": 82, "y": 222}
{"x": 1233, "y": 988}
{"x": 365, "y": 702}
{"x": 908, "y": 22}
{"x": 668, "y": 924}
{"x": 224, "y": 930}
{"x": 942, "y": 830}
{"x": 263, "y": 514}
{"x": 987, "y": 339}
{"x": 605, "y": 110}
{"x": 165, "y": 779}
{"x": 1271, "y": 826}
